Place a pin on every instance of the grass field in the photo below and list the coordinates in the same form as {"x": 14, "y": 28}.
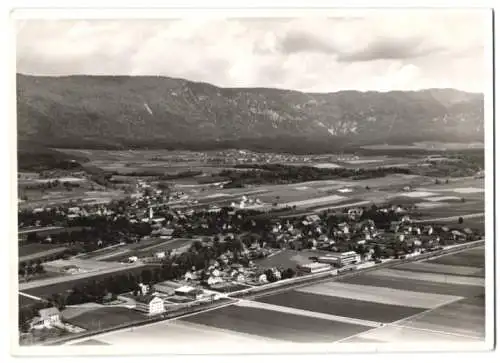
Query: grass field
{"x": 62, "y": 287}
{"x": 470, "y": 258}
{"x": 288, "y": 258}
{"x": 275, "y": 325}
{"x": 105, "y": 317}
{"x": 399, "y": 334}
{"x": 43, "y": 253}
{"x": 36, "y": 248}
{"x": 180, "y": 333}
{"x": 402, "y": 283}
{"x": 149, "y": 250}
{"x": 351, "y": 308}
{"x": 430, "y": 277}
{"x": 441, "y": 269}
{"x": 380, "y": 295}
{"x": 465, "y": 317}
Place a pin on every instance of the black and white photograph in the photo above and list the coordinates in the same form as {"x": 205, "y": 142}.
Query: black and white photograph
{"x": 246, "y": 182}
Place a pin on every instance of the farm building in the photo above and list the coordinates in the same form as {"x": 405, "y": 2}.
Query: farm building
{"x": 314, "y": 267}
{"x": 340, "y": 258}
{"x": 149, "y": 304}
{"x": 189, "y": 291}
{"x": 164, "y": 288}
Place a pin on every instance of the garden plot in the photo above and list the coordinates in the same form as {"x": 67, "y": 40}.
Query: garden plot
{"x": 424, "y": 276}
{"x": 380, "y": 295}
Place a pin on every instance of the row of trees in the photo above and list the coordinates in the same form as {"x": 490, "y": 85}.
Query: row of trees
{"x": 285, "y": 174}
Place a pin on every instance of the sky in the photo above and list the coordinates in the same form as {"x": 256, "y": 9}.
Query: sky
{"x": 381, "y": 51}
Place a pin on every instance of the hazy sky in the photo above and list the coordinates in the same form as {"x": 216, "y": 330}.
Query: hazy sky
{"x": 389, "y": 50}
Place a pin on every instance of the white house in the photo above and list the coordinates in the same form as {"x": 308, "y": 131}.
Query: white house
{"x": 262, "y": 279}
{"x": 47, "y": 318}
{"x": 214, "y": 280}
{"x": 149, "y": 304}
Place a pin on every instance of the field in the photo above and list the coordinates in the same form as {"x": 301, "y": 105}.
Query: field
{"x": 105, "y": 317}
{"x": 465, "y": 317}
{"x": 402, "y": 283}
{"x": 33, "y": 250}
{"x": 141, "y": 249}
{"x": 470, "y": 258}
{"x": 62, "y": 287}
{"x": 382, "y": 306}
{"x": 351, "y": 308}
{"x": 275, "y": 325}
{"x": 442, "y": 269}
{"x": 42, "y": 253}
{"x": 159, "y": 246}
{"x": 288, "y": 258}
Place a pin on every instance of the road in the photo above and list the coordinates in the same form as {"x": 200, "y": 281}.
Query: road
{"x": 452, "y": 218}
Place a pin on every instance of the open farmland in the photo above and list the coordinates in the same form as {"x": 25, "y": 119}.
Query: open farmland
{"x": 430, "y": 277}
{"x": 380, "y": 295}
{"x": 405, "y": 284}
{"x": 275, "y": 325}
{"x": 465, "y": 317}
{"x": 177, "y": 332}
{"x": 381, "y": 306}
{"x": 105, "y": 317}
{"x": 149, "y": 250}
{"x": 288, "y": 258}
{"x": 47, "y": 289}
{"x": 471, "y": 258}
{"x": 351, "y": 308}
{"x": 37, "y": 250}
{"x": 441, "y": 269}
{"x": 42, "y": 253}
